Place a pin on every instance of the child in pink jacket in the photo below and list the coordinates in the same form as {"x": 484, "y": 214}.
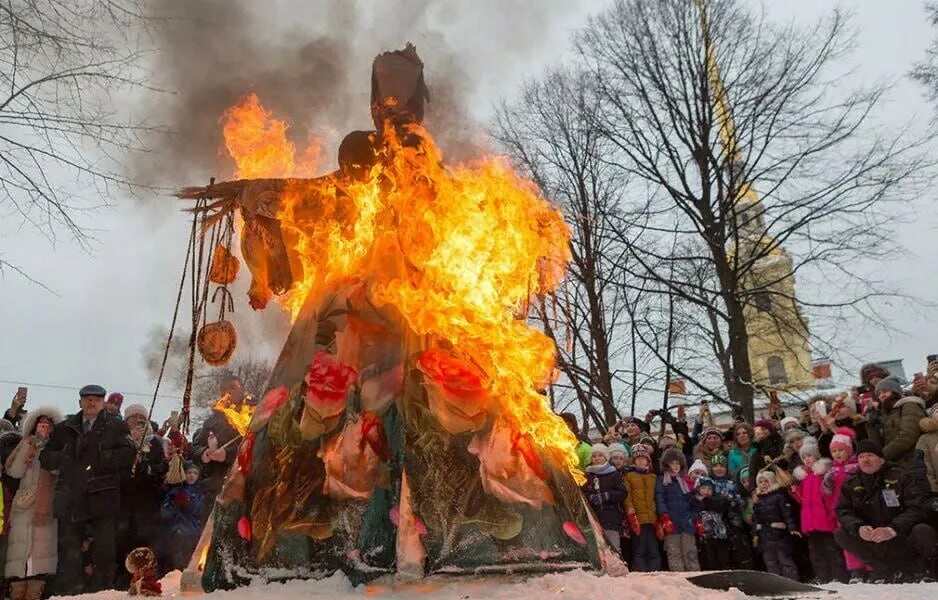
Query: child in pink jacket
{"x": 818, "y": 520}
{"x": 845, "y": 465}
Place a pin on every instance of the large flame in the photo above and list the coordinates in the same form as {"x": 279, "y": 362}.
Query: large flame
{"x": 239, "y": 416}
{"x": 458, "y": 252}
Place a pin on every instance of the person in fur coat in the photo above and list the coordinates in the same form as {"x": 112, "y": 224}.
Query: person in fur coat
{"x": 818, "y": 519}
{"x": 31, "y": 551}
{"x": 928, "y": 444}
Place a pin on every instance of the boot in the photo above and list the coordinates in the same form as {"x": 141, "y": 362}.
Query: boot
{"x": 34, "y": 589}
{"x": 18, "y": 590}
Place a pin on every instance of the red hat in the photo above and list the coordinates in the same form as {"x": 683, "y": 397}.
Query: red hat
{"x": 765, "y": 424}
{"x": 116, "y": 398}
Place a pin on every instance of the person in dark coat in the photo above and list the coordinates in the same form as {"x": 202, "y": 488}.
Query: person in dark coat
{"x": 774, "y": 522}
{"x": 881, "y": 516}
{"x": 91, "y": 451}
{"x": 141, "y": 490}
{"x": 769, "y": 446}
{"x": 606, "y": 493}
{"x": 181, "y": 510}
{"x": 674, "y": 499}
{"x": 714, "y": 519}
{"x": 895, "y": 425}
{"x": 208, "y": 447}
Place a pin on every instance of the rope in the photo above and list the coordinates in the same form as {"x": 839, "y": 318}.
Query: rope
{"x": 169, "y": 340}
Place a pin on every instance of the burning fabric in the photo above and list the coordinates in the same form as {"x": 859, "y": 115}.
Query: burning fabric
{"x": 409, "y": 390}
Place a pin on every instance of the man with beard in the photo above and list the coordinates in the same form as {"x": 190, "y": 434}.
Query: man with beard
{"x": 881, "y": 517}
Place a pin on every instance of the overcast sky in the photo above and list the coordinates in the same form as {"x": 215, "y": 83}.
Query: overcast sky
{"x": 92, "y": 329}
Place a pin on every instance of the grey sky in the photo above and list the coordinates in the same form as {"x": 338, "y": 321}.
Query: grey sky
{"x": 108, "y": 302}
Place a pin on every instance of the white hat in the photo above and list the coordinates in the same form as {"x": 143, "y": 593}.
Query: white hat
{"x": 601, "y": 449}
{"x": 617, "y": 448}
{"x": 698, "y": 466}
{"x": 789, "y": 421}
{"x": 138, "y": 410}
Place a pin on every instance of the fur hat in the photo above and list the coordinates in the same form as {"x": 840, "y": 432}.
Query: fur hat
{"x": 617, "y": 448}
{"x": 137, "y": 410}
{"x": 844, "y": 437}
{"x": 32, "y": 417}
{"x": 765, "y": 424}
{"x": 767, "y": 475}
{"x": 600, "y": 449}
{"x": 789, "y": 421}
{"x": 870, "y": 447}
{"x": 671, "y": 455}
{"x": 870, "y": 370}
{"x": 810, "y": 448}
{"x": 889, "y": 384}
{"x": 698, "y": 466}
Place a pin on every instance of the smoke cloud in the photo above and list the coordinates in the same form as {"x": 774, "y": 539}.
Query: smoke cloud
{"x": 310, "y": 63}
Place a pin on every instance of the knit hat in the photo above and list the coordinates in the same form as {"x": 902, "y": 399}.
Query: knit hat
{"x": 765, "y": 424}
{"x": 618, "y": 448}
{"x": 138, "y": 410}
{"x": 767, "y": 475}
{"x": 890, "y": 384}
{"x": 844, "y": 437}
{"x": 871, "y": 447}
{"x": 743, "y": 474}
{"x": 650, "y": 441}
{"x": 795, "y": 434}
{"x": 640, "y": 451}
{"x": 698, "y": 466}
{"x": 810, "y": 448}
{"x": 933, "y": 411}
{"x": 116, "y": 398}
{"x": 718, "y": 459}
{"x": 850, "y": 404}
{"x": 704, "y": 481}
{"x": 789, "y": 421}
{"x": 600, "y": 449}
{"x": 712, "y": 431}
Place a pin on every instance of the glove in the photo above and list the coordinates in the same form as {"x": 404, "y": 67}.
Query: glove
{"x": 666, "y": 524}
{"x": 698, "y": 525}
{"x": 634, "y": 525}
{"x": 795, "y": 533}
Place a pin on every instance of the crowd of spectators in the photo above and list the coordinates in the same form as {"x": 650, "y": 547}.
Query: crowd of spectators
{"x": 846, "y": 490}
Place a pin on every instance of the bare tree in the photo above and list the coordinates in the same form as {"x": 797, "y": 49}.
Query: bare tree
{"x": 755, "y": 151}
{"x": 926, "y": 71}
{"x": 546, "y": 132}
{"x": 66, "y": 71}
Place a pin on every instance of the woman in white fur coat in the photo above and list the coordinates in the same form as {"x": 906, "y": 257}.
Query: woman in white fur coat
{"x": 31, "y": 552}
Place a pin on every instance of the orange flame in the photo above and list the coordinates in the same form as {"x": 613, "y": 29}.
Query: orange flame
{"x": 238, "y": 416}
{"x": 456, "y": 251}
{"x": 258, "y": 143}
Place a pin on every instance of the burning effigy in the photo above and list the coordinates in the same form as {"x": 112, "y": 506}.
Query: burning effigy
{"x": 405, "y": 429}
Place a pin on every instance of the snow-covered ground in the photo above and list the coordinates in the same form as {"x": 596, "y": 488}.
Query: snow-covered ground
{"x": 566, "y": 586}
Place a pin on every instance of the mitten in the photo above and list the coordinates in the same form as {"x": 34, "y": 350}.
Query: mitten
{"x": 634, "y": 525}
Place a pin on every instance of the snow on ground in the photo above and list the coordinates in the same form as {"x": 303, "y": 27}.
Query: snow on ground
{"x": 565, "y": 586}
